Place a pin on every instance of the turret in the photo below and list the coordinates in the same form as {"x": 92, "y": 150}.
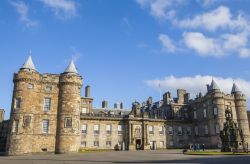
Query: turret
{"x": 241, "y": 112}
{"x": 218, "y": 102}
{"x": 68, "y": 134}
{"x": 24, "y": 91}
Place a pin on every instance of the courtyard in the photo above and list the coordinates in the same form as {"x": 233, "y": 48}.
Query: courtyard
{"x": 123, "y": 157}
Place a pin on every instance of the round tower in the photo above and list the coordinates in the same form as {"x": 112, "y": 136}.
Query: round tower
{"x": 22, "y": 109}
{"x": 241, "y": 112}
{"x": 68, "y": 122}
{"x": 217, "y": 98}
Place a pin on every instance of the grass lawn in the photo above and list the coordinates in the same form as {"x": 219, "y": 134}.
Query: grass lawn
{"x": 215, "y": 153}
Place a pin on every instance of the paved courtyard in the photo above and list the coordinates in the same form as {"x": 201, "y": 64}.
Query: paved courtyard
{"x": 122, "y": 157}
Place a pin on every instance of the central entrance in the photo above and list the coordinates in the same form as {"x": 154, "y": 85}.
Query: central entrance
{"x": 138, "y": 144}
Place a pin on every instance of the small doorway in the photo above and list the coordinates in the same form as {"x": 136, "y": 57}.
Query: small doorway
{"x": 138, "y": 144}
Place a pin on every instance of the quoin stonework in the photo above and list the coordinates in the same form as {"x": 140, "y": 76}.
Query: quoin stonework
{"x": 48, "y": 114}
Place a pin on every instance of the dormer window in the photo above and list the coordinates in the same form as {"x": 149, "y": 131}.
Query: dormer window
{"x": 48, "y": 88}
{"x": 30, "y": 86}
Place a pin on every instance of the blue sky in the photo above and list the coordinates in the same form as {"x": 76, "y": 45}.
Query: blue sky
{"x": 124, "y": 49}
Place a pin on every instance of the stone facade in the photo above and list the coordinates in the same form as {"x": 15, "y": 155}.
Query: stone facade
{"x": 48, "y": 114}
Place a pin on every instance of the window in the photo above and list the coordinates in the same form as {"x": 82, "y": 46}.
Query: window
{"x": 15, "y": 126}
{"x": 171, "y": 143}
{"x": 206, "y": 129}
{"x": 217, "y": 129}
{"x": 150, "y": 129}
{"x": 108, "y": 143}
{"x": 195, "y": 115}
{"x": 186, "y": 115}
{"x": 96, "y": 143}
{"x": 48, "y": 88}
{"x": 188, "y": 131}
{"x": 215, "y": 111}
{"x": 67, "y": 122}
{"x": 170, "y": 130}
{"x": 120, "y": 129}
{"x": 84, "y": 110}
{"x": 204, "y": 113}
{"x": 26, "y": 121}
{"x": 179, "y": 130}
{"x": 17, "y": 103}
{"x": 30, "y": 86}
{"x": 161, "y": 130}
{"x": 45, "y": 126}
{"x": 47, "y": 103}
{"x": 108, "y": 129}
{"x": 84, "y": 129}
{"x": 83, "y": 143}
{"x": 161, "y": 144}
{"x": 96, "y": 129}
{"x": 196, "y": 130}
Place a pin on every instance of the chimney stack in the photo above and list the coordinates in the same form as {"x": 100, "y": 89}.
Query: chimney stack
{"x": 87, "y": 91}
{"x": 121, "y": 105}
{"x": 104, "y": 104}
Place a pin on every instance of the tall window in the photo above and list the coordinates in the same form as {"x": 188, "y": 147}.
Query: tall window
{"x": 96, "y": 143}
{"x": 195, "y": 114}
{"x": 170, "y": 130}
{"x": 179, "y": 130}
{"x": 15, "y": 126}
{"x": 204, "y": 113}
{"x": 150, "y": 129}
{"x": 161, "y": 130}
{"x": 120, "y": 129}
{"x": 217, "y": 129}
{"x": 96, "y": 129}
{"x": 17, "y": 103}
{"x": 215, "y": 111}
{"x": 161, "y": 144}
{"x": 47, "y": 103}
{"x": 108, "y": 143}
{"x": 196, "y": 130}
{"x": 84, "y": 110}
{"x": 84, "y": 129}
{"x": 188, "y": 131}
{"x": 45, "y": 126}
{"x": 67, "y": 122}
{"x": 108, "y": 129}
{"x": 26, "y": 121}
{"x": 83, "y": 143}
{"x": 206, "y": 129}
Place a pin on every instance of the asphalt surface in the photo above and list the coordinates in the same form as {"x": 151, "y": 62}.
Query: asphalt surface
{"x": 123, "y": 157}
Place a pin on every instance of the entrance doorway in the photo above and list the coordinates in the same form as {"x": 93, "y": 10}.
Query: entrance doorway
{"x": 138, "y": 144}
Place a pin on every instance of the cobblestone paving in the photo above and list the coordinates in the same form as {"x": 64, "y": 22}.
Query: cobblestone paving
{"x": 123, "y": 157}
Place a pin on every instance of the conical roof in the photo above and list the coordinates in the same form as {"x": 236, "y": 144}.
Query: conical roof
{"x": 29, "y": 64}
{"x": 214, "y": 86}
{"x": 235, "y": 88}
{"x": 71, "y": 68}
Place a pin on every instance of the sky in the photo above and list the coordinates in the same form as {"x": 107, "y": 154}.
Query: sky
{"x": 125, "y": 49}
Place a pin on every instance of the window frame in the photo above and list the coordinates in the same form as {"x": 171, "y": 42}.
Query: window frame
{"x": 43, "y": 126}
{"x": 47, "y": 104}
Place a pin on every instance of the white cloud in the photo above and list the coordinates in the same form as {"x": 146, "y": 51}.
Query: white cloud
{"x": 225, "y": 44}
{"x": 245, "y": 52}
{"x": 195, "y": 84}
{"x": 23, "y": 11}
{"x": 161, "y": 9}
{"x": 218, "y": 18}
{"x": 206, "y": 3}
{"x": 63, "y": 9}
{"x": 201, "y": 44}
{"x": 167, "y": 43}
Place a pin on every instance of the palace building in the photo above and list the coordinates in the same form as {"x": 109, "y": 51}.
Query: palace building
{"x": 48, "y": 114}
